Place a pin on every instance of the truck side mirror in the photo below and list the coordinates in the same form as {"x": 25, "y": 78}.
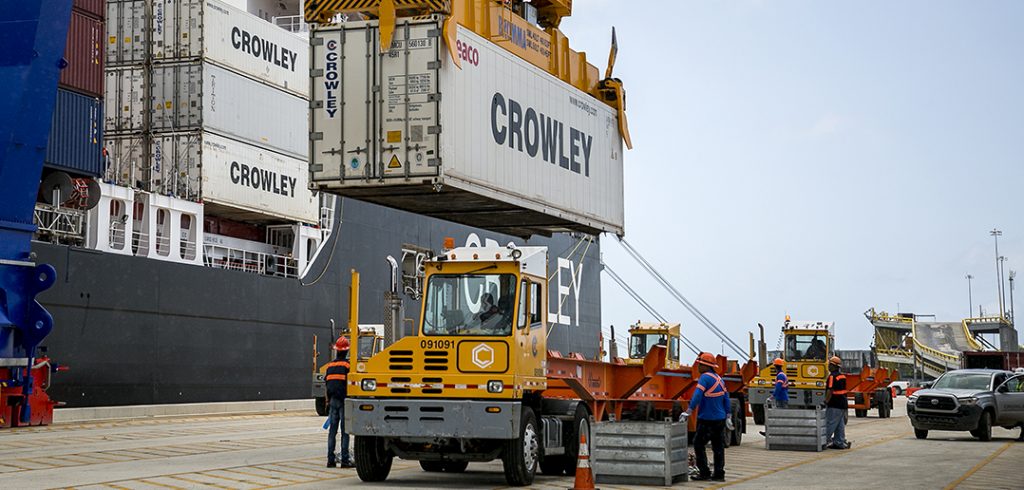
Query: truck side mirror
{"x": 1003, "y": 388}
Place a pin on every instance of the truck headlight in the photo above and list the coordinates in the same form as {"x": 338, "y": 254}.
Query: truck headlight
{"x": 968, "y": 401}
{"x": 819, "y": 384}
{"x": 368, "y": 384}
{"x": 912, "y": 399}
{"x": 495, "y": 386}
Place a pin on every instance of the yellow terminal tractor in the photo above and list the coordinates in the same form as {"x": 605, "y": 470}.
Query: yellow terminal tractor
{"x": 807, "y": 347}
{"x": 644, "y": 336}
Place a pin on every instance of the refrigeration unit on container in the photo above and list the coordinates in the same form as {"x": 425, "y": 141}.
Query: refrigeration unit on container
{"x": 84, "y": 54}
{"x": 127, "y": 37}
{"x": 234, "y": 179}
{"x": 75, "y": 134}
{"x": 202, "y": 96}
{"x": 124, "y": 97}
{"x": 498, "y": 144}
{"x": 214, "y": 31}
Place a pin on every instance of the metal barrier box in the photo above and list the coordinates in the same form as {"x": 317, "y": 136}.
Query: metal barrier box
{"x": 795, "y": 429}
{"x": 640, "y": 453}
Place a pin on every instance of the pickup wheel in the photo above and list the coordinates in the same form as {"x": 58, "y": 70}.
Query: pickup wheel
{"x": 320, "y": 403}
{"x": 984, "y": 430}
{"x": 921, "y": 433}
{"x": 373, "y": 461}
{"x": 758, "y": 411}
{"x": 521, "y": 454}
{"x": 432, "y": 466}
{"x": 455, "y": 466}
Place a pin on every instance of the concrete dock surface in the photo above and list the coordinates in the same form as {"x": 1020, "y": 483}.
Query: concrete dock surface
{"x": 287, "y": 450}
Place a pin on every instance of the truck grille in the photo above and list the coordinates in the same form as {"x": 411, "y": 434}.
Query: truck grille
{"x": 404, "y": 360}
{"x": 400, "y": 360}
{"x": 931, "y": 402}
{"x": 435, "y": 360}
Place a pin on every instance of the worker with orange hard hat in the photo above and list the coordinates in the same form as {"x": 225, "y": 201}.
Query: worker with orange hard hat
{"x": 780, "y": 395}
{"x": 337, "y": 390}
{"x": 711, "y": 400}
{"x": 837, "y": 405}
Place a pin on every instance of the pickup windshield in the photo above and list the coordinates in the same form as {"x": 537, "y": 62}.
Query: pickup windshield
{"x": 964, "y": 381}
{"x": 469, "y": 304}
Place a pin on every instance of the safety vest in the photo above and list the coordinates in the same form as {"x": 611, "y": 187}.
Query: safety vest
{"x": 717, "y": 389}
{"x": 338, "y": 374}
{"x": 781, "y": 379}
{"x": 337, "y": 379}
{"x": 837, "y": 377}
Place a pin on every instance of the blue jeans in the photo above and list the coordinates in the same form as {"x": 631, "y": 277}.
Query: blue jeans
{"x": 337, "y": 416}
{"x": 835, "y": 425}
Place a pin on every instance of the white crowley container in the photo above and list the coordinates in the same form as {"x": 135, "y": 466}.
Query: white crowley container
{"x": 215, "y": 31}
{"x": 202, "y": 96}
{"x": 514, "y": 148}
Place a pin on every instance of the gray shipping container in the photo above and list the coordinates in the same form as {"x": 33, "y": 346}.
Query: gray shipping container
{"x": 75, "y": 134}
{"x": 202, "y": 96}
{"x": 126, "y": 107}
{"x": 127, "y": 37}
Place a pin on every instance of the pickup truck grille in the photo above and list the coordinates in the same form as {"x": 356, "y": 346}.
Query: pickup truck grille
{"x": 932, "y": 402}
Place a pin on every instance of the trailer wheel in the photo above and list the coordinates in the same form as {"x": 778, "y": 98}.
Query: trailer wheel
{"x": 373, "y": 461}
{"x": 320, "y": 403}
{"x": 860, "y": 413}
{"x": 758, "y": 411}
{"x": 921, "y": 433}
{"x": 580, "y": 424}
{"x": 735, "y": 436}
{"x": 521, "y": 454}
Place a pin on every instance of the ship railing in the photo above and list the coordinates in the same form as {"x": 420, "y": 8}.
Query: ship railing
{"x": 140, "y": 241}
{"x": 221, "y": 257}
{"x": 116, "y": 234}
{"x": 291, "y": 23}
{"x": 882, "y": 316}
{"x": 60, "y": 224}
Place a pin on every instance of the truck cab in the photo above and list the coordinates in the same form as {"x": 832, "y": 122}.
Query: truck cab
{"x": 645, "y": 336}
{"x": 806, "y": 348}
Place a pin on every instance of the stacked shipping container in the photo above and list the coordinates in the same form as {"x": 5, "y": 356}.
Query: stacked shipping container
{"x": 75, "y": 135}
{"x": 198, "y": 91}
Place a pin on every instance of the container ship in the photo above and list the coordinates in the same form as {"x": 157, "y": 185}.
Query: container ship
{"x": 195, "y": 264}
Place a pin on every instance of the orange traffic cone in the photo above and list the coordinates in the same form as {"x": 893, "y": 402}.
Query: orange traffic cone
{"x": 584, "y": 477}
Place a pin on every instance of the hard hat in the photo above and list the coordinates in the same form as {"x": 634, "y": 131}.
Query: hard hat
{"x": 836, "y": 360}
{"x": 341, "y": 344}
{"x": 779, "y": 362}
{"x": 707, "y": 359}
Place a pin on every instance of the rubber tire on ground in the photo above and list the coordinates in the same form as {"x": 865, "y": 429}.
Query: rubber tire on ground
{"x": 373, "y": 462}
{"x": 644, "y": 412}
{"x": 883, "y": 410}
{"x": 736, "y": 435}
{"x": 860, "y": 413}
{"x": 572, "y": 446}
{"x": 921, "y": 433}
{"x": 984, "y": 430}
{"x": 320, "y": 403}
{"x": 899, "y": 391}
{"x": 758, "y": 411}
{"x": 432, "y": 466}
{"x": 455, "y": 466}
{"x": 517, "y": 472}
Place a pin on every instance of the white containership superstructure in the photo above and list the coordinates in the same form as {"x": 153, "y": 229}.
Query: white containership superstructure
{"x": 189, "y": 242}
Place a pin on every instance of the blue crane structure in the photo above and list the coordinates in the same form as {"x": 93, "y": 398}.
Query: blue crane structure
{"x": 32, "y": 40}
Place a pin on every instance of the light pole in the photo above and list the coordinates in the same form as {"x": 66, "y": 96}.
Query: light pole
{"x": 999, "y": 280}
{"x": 970, "y": 297}
{"x": 1002, "y": 278}
{"x": 1013, "y": 274}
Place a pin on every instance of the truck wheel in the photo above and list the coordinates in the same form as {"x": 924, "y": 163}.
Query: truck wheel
{"x": 921, "y": 433}
{"x": 373, "y": 461}
{"x": 758, "y": 411}
{"x": 455, "y": 466}
{"x": 521, "y": 454}
{"x": 984, "y": 430}
{"x": 320, "y": 403}
{"x": 860, "y": 413}
{"x": 580, "y": 423}
{"x": 735, "y": 437}
{"x": 432, "y": 466}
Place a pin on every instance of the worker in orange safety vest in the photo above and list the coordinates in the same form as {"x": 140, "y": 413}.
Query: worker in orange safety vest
{"x": 711, "y": 400}
{"x": 836, "y": 405}
{"x": 337, "y": 390}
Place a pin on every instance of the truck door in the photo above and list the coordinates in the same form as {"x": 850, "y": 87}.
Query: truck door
{"x": 1010, "y": 401}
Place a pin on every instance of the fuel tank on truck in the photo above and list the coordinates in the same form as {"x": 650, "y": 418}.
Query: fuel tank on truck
{"x": 497, "y": 144}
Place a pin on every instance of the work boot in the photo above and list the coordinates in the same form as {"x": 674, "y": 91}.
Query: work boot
{"x": 331, "y": 464}
{"x": 345, "y": 463}
{"x": 718, "y": 478}
{"x": 701, "y": 478}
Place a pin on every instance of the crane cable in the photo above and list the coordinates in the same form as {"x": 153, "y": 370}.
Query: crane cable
{"x": 682, "y": 299}
{"x": 647, "y": 306}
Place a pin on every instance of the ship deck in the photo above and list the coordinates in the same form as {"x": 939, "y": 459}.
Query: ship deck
{"x": 285, "y": 450}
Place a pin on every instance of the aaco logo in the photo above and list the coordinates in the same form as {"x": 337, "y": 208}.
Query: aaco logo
{"x": 467, "y": 53}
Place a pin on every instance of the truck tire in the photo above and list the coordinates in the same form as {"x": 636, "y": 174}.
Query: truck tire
{"x": 455, "y": 466}
{"x": 984, "y": 430}
{"x": 735, "y": 436}
{"x": 320, "y": 403}
{"x": 373, "y": 461}
{"x": 921, "y": 433}
{"x": 432, "y": 466}
{"x": 758, "y": 411}
{"x": 521, "y": 454}
{"x": 860, "y": 413}
{"x": 580, "y": 423}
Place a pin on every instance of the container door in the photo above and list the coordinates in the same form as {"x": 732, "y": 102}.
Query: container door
{"x": 407, "y": 126}
{"x": 340, "y": 143}
{"x": 177, "y": 97}
{"x": 176, "y": 165}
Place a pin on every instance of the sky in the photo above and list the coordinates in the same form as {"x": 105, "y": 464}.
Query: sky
{"x": 814, "y": 159}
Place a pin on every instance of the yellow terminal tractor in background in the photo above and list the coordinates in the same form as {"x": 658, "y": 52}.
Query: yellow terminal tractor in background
{"x": 644, "y": 336}
{"x": 806, "y": 348}
{"x": 371, "y": 341}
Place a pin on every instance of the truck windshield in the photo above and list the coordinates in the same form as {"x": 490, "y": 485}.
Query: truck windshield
{"x": 469, "y": 304}
{"x": 640, "y": 344}
{"x": 805, "y": 348}
{"x": 963, "y": 381}
{"x": 366, "y": 346}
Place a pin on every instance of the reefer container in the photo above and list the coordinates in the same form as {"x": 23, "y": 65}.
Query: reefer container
{"x": 125, "y": 93}
{"x": 195, "y": 95}
{"x": 498, "y": 144}
{"x": 84, "y": 53}
{"x": 127, "y": 35}
{"x": 95, "y": 8}
{"x": 75, "y": 133}
{"x": 123, "y": 157}
{"x": 215, "y": 31}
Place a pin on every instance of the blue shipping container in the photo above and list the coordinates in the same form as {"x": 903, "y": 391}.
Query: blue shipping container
{"x": 76, "y": 134}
